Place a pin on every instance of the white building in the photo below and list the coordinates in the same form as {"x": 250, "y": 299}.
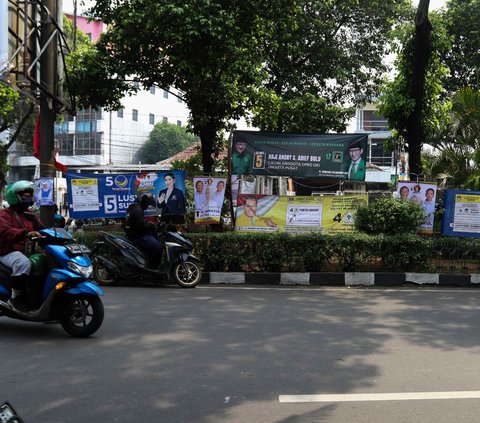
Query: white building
{"x": 97, "y": 137}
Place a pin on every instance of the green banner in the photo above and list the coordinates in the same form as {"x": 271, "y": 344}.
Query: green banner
{"x": 339, "y": 156}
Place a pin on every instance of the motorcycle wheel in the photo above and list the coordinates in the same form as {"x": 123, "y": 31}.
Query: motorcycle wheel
{"x": 101, "y": 275}
{"x": 187, "y": 274}
{"x": 82, "y": 315}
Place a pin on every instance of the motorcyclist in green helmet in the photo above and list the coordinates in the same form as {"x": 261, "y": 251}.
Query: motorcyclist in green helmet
{"x": 16, "y": 225}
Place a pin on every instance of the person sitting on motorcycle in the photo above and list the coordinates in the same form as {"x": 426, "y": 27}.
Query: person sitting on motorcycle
{"x": 16, "y": 225}
{"x": 142, "y": 233}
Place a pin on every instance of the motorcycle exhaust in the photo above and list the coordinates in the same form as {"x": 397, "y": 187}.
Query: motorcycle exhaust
{"x": 110, "y": 266}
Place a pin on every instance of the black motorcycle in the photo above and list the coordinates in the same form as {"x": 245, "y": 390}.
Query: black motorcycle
{"x": 121, "y": 259}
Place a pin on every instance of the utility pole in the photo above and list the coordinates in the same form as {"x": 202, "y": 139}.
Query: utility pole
{"x": 49, "y": 80}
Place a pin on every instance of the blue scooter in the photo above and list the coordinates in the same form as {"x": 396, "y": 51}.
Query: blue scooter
{"x": 58, "y": 289}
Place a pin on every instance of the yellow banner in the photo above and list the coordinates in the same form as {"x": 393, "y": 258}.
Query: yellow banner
{"x": 296, "y": 215}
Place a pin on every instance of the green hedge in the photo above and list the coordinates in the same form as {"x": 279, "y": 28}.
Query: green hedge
{"x": 246, "y": 252}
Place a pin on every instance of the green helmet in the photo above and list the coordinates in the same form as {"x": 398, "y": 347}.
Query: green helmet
{"x": 17, "y": 187}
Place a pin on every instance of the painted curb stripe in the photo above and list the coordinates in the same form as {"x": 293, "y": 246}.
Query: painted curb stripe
{"x": 402, "y": 396}
{"x": 340, "y": 279}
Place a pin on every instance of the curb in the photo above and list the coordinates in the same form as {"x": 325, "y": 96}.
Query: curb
{"x": 341, "y": 279}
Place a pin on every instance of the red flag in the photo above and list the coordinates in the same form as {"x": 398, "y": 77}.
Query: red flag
{"x": 59, "y": 166}
{"x": 36, "y": 148}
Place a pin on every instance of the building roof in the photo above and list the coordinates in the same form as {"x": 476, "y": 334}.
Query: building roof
{"x": 185, "y": 155}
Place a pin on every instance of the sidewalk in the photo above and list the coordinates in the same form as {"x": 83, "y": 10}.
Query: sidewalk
{"x": 342, "y": 279}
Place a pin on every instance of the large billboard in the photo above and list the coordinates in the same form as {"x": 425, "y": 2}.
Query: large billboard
{"x": 109, "y": 195}
{"x": 339, "y": 156}
{"x": 328, "y": 214}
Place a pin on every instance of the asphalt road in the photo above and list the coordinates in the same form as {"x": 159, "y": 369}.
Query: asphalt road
{"x": 219, "y": 354}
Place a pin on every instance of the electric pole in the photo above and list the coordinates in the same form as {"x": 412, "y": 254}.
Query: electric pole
{"x": 49, "y": 80}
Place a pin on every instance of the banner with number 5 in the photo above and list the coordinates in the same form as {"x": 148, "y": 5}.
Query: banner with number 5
{"x": 92, "y": 196}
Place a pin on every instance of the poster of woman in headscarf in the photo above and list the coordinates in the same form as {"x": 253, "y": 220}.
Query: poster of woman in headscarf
{"x": 44, "y": 192}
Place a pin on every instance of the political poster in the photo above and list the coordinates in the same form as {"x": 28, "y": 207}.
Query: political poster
{"x": 339, "y": 156}
{"x": 462, "y": 213}
{"x": 109, "y": 195}
{"x": 44, "y": 189}
{"x": 297, "y": 215}
{"x": 209, "y": 194}
{"x": 424, "y": 194}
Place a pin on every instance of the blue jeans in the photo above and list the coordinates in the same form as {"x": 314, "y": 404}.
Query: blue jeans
{"x": 152, "y": 248}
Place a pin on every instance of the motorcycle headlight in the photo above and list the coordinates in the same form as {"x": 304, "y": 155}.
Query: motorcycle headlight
{"x": 85, "y": 271}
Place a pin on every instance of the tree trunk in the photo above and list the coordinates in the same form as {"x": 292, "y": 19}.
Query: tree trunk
{"x": 421, "y": 47}
{"x": 208, "y": 136}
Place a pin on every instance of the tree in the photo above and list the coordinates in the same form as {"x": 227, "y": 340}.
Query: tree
{"x": 458, "y": 158}
{"x": 207, "y": 49}
{"x": 164, "y": 141}
{"x": 323, "y": 58}
{"x": 463, "y": 59}
{"x": 417, "y": 110}
{"x": 17, "y": 110}
{"x": 8, "y": 98}
{"x": 278, "y": 58}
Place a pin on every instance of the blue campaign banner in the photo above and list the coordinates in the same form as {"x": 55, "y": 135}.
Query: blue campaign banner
{"x": 462, "y": 213}
{"x": 108, "y": 195}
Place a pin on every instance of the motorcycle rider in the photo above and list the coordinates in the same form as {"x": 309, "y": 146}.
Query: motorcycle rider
{"x": 16, "y": 225}
{"x": 142, "y": 233}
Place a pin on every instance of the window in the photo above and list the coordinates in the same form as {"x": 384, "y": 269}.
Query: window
{"x": 135, "y": 115}
{"x": 151, "y": 119}
{"x": 373, "y": 122}
{"x": 89, "y": 35}
{"x": 179, "y": 99}
{"x": 179, "y": 123}
{"x": 152, "y": 89}
{"x": 165, "y": 119}
{"x": 120, "y": 113}
{"x": 136, "y": 85}
{"x": 165, "y": 94}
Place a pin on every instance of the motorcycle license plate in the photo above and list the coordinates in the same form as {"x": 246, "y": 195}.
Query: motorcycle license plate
{"x": 8, "y": 414}
{"x": 77, "y": 249}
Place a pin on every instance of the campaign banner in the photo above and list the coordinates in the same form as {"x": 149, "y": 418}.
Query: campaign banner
{"x": 209, "y": 194}
{"x": 423, "y": 194}
{"x": 462, "y": 213}
{"x": 326, "y": 214}
{"x": 108, "y": 195}
{"x": 44, "y": 191}
{"x": 339, "y": 156}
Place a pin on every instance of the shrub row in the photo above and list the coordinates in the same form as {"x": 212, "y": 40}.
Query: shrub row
{"x": 247, "y": 252}
{"x": 348, "y": 252}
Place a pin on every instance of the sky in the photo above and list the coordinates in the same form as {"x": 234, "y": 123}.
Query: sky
{"x": 434, "y": 4}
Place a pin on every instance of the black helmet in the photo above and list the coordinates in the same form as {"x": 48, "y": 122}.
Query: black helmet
{"x": 145, "y": 199}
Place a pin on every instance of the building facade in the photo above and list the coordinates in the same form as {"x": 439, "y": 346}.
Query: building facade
{"x": 99, "y": 137}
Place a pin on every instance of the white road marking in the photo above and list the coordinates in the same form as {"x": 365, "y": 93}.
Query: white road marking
{"x": 400, "y": 396}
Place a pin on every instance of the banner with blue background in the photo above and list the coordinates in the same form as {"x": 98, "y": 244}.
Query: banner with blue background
{"x": 108, "y": 195}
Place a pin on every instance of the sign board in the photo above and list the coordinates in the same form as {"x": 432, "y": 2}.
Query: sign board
{"x": 424, "y": 194}
{"x": 462, "y": 213}
{"x": 327, "y": 214}
{"x": 93, "y": 196}
{"x": 339, "y": 156}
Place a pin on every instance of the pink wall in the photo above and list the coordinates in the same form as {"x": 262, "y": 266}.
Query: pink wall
{"x": 95, "y": 28}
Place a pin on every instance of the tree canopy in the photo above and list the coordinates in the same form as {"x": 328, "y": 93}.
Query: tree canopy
{"x": 462, "y": 19}
{"x": 164, "y": 141}
{"x": 397, "y": 102}
{"x": 292, "y": 64}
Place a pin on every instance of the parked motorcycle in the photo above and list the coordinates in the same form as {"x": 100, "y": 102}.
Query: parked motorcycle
{"x": 120, "y": 259}
{"x": 58, "y": 289}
